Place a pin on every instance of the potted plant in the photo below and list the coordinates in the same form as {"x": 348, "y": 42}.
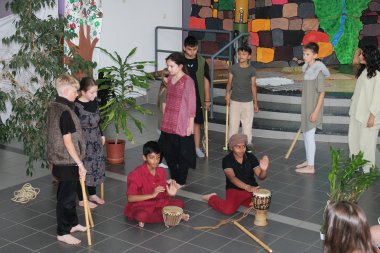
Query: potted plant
{"x": 347, "y": 182}
{"x": 29, "y": 75}
{"x": 124, "y": 82}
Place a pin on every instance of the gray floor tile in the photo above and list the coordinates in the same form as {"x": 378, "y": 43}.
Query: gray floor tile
{"x": 161, "y": 243}
{"x": 40, "y": 222}
{"x": 12, "y": 247}
{"x": 303, "y": 235}
{"x": 297, "y": 213}
{"x": 233, "y": 246}
{"x": 16, "y": 232}
{"x": 284, "y": 245}
{"x": 60, "y": 247}
{"x": 189, "y": 248}
{"x": 139, "y": 249}
{"x": 112, "y": 245}
{"x": 182, "y": 233}
{"x": 111, "y": 227}
{"x": 135, "y": 235}
{"x": 314, "y": 250}
{"x": 210, "y": 241}
{"x": 37, "y": 241}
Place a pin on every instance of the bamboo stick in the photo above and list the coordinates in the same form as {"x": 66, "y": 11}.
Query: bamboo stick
{"x": 293, "y": 144}
{"x": 252, "y": 236}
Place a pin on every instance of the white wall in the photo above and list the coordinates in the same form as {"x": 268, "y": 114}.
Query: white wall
{"x": 131, "y": 23}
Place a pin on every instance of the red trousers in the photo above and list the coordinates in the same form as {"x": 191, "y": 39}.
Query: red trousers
{"x": 153, "y": 214}
{"x": 234, "y": 198}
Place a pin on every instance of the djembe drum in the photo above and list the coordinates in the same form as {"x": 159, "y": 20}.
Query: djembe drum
{"x": 172, "y": 215}
{"x": 261, "y": 201}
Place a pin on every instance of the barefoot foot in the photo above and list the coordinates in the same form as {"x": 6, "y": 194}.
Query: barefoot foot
{"x": 96, "y": 199}
{"x": 90, "y": 204}
{"x": 299, "y": 166}
{"x": 69, "y": 239}
{"x": 208, "y": 196}
{"x": 306, "y": 170}
{"x": 141, "y": 224}
{"x": 78, "y": 228}
{"x": 185, "y": 217}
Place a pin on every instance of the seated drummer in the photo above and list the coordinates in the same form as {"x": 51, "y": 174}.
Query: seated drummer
{"x": 240, "y": 168}
{"x": 148, "y": 192}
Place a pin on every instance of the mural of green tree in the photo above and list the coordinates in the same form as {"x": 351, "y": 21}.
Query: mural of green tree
{"x": 340, "y": 19}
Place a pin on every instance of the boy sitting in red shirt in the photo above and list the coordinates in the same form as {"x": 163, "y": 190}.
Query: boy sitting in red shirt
{"x": 147, "y": 190}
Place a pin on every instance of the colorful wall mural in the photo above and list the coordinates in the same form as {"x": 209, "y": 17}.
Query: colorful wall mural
{"x": 279, "y": 28}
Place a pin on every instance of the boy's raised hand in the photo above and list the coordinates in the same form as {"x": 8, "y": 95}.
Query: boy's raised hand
{"x": 172, "y": 188}
{"x": 157, "y": 191}
{"x": 264, "y": 163}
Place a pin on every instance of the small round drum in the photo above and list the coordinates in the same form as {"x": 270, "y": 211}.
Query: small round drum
{"x": 261, "y": 201}
{"x": 172, "y": 215}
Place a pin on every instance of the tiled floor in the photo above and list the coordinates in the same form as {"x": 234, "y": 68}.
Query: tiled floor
{"x": 294, "y": 214}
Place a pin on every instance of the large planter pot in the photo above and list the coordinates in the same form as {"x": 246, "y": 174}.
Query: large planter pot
{"x": 115, "y": 151}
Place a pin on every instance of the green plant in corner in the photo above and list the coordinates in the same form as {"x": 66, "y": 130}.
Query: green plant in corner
{"x": 124, "y": 81}
{"x": 347, "y": 183}
{"x": 30, "y": 74}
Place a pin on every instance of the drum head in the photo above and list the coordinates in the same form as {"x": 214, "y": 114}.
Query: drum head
{"x": 172, "y": 210}
{"x": 262, "y": 193}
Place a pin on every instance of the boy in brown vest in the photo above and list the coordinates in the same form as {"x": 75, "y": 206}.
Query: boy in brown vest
{"x": 66, "y": 149}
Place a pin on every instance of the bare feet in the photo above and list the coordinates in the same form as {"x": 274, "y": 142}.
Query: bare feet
{"x": 208, "y": 196}
{"x": 306, "y": 170}
{"x": 304, "y": 164}
{"x": 69, "y": 239}
{"x": 90, "y": 204}
{"x": 96, "y": 199}
{"x": 78, "y": 228}
{"x": 141, "y": 224}
{"x": 185, "y": 217}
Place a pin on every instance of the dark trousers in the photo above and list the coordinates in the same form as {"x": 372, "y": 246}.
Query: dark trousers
{"x": 66, "y": 206}
{"x": 91, "y": 190}
{"x": 179, "y": 154}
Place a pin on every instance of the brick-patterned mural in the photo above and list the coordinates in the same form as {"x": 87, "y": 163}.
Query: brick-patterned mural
{"x": 278, "y": 29}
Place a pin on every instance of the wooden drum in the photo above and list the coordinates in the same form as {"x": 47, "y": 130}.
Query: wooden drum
{"x": 261, "y": 201}
{"x": 172, "y": 215}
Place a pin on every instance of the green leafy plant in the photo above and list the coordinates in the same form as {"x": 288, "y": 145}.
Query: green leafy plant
{"x": 347, "y": 183}
{"x": 123, "y": 82}
{"x": 31, "y": 72}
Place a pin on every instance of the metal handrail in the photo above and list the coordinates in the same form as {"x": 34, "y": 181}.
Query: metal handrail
{"x": 241, "y": 35}
{"x": 157, "y": 50}
{"x": 213, "y": 56}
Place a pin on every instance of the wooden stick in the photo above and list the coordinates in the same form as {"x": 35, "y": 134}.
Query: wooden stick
{"x": 206, "y": 131}
{"x": 252, "y": 236}
{"x": 102, "y": 190}
{"x": 86, "y": 211}
{"x": 90, "y": 216}
{"x": 226, "y": 141}
{"x": 293, "y": 144}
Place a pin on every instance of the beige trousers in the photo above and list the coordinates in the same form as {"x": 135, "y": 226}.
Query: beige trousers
{"x": 362, "y": 138}
{"x": 241, "y": 112}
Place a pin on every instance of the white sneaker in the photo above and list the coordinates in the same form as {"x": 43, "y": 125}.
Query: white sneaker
{"x": 163, "y": 165}
{"x": 199, "y": 152}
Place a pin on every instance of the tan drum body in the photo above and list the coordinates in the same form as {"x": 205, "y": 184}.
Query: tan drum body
{"x": 261, "y": 199}
{"x": 172, "y": 215}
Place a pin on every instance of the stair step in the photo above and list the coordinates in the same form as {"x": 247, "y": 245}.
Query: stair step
{"x": 286, "y": 126}
{"x": 286, "y": 107}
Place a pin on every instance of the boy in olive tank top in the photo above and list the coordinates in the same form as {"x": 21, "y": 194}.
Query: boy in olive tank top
{"x": 243, "y": 98}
